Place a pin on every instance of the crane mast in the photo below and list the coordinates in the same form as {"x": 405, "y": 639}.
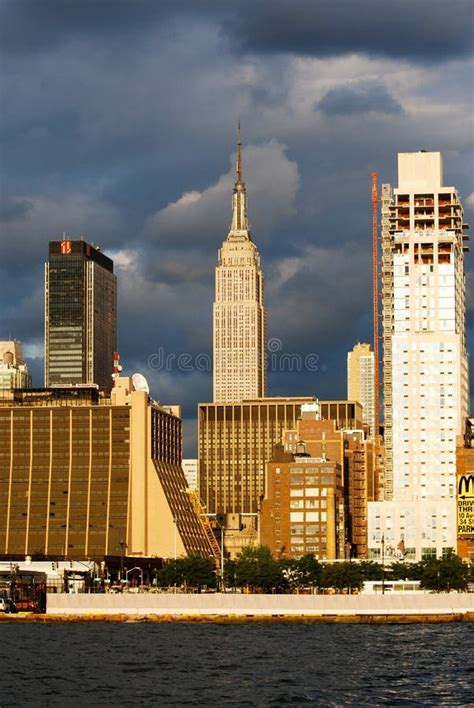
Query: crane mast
{"x": 375, "y": 293}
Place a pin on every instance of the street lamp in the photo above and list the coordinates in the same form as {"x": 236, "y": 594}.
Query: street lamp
{"x": 131, "y": 571}
{"x": 222, "y": 529}
{"x": 122, "y": 545}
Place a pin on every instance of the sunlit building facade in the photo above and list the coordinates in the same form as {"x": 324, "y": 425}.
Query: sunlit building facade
{"x": 425, "y": 360}
{"x": 86, "y": 474}
{"x": 361, "y": 382}
{"x": 239, "y": 319}
{"x": 13, "y": 370}
{"x": 236, "y": 441}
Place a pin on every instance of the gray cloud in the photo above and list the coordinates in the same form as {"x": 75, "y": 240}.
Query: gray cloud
{"x": 12, "y": 209}
{"x": 117, "y": 122}
{"x": 421, "y": 30}
{"x": 199, "y": 217}
{"x": 363, "y": 97}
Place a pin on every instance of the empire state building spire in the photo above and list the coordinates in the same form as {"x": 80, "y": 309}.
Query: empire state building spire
{"x": 239, "y": 226}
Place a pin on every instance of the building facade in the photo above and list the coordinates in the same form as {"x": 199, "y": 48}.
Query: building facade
{"x": 361, "y": 382}
{"x": 13, "y": 370}
{"x": 320, "y": 439}
{"x": 236, "y": 441}
{"x": 85, "y": 474}
{"x": 239, "y": 319}
{"x": 303, "y": 508}
{"x": 190, "y": 469}
{"x": 80, "y": 315}
{"x": 425, "y": 359}
{"x": 361, "y": 485}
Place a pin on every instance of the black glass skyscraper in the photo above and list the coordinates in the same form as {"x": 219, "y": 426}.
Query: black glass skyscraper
{"x": 80, "y": 315}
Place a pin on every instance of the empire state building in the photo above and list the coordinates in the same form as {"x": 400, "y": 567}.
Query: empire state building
{"x": 239, "y": 319}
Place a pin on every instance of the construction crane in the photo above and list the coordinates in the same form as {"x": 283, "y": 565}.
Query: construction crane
{"x": 375, "y": 278}
{"x": 205, "y": 523}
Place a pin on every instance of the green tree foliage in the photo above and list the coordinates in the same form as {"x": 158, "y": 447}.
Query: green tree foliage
{"x": 445, "y": 574}
{"x": 404, "y": 571}
{"x": 370, "y": 570}
{"x": 230, "y": 574}
{"x": 192, "y": 571}
{"x": 255, "y": 568}
{"x": 342, "y": 576}
{"x": 310, "y": 570}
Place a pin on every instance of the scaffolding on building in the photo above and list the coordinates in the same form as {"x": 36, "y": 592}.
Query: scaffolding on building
{"x": 205, "y": 523}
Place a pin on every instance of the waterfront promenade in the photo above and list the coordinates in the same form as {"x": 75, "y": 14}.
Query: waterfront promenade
{"x": 427, "y": 606}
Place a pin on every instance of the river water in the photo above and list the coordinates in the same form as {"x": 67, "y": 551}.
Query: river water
{"x": 130, "y": 664}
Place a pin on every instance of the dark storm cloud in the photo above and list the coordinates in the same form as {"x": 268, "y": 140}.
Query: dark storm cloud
{"x": 364, "y": 97}
{"x": 421, "y": 30}
{"x": 35, "y": 25}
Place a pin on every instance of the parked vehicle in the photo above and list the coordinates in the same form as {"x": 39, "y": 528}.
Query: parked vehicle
{"x": 7, "y": 605}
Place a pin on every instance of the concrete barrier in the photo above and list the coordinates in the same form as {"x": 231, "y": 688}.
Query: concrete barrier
{"x": 217, "y": 604}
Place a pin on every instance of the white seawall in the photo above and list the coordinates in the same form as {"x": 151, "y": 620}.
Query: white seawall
{"x": 202, "y": 605}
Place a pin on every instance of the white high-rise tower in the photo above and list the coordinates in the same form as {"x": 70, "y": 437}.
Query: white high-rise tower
{"x": 239, "y": 314}
{"x": 360, "y": 382}
{"x": 425, "y": 360}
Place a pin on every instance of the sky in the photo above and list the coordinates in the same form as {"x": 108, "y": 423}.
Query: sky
{"x": 118, "y": 125}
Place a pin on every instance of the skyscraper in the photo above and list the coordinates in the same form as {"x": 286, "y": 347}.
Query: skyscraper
{"x": 239, "y": 314}
{"x": 360, "y": 381}
{"x": 13, "y": 370}
{"x": 80, "y": 315}
{"x": 425, "y": 359}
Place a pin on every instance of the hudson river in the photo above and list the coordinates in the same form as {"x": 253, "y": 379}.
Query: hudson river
{"x": 236, "y": 664}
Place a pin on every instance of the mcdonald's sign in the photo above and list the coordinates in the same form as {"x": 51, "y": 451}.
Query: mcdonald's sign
{"x": 465, "y": 505}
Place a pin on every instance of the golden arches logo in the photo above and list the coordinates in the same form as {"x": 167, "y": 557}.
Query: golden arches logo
{"x": 466, "y": 486}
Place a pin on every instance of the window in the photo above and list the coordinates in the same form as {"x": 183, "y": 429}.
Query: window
{"x": 312, "y": 516}
{"x": 296, "y": 516}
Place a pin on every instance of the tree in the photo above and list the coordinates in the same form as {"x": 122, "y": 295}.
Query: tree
{"x": 445, "y": 574}
{"x": 291, "y": 572}
{"x": 198, "y": 572}
{"x": 370, "y": 570}
{"x": 342, "y": 576}
{"x": 310, "y": 570}
{"x": 255, "y": 568}
{"x": 230, "y": 573}
{"x": 192, "y": 571}
{"x": 404, "y": 571}
{"x": 169, "y": 575}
